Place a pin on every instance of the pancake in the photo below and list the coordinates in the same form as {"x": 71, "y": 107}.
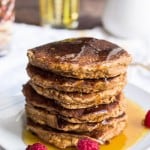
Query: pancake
{"x": 75, "y": 100}
{"x": 56, "y": 121}
{"x": 81, "y": 58}
{"x": 63, "y": 139}
{"x": 92, "y": 114}
{"x": 47, "y": 79}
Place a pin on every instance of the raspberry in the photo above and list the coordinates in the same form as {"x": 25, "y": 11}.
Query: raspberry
{"x": 36, "y": 146}
{"x": 147, "y": 120}
{"x": 87, "y": 144}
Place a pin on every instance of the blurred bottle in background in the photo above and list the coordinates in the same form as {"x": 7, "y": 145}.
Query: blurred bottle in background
{"x": 59, "y": 13}
{"x": 6, "y": 19}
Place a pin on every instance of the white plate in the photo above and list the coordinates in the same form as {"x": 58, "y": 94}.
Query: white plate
{"x": 11, "y": 120}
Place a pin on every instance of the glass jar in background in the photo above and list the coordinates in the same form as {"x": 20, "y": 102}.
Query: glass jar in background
{"x": 59, "y": 13}
{"x": 6, "y": 19}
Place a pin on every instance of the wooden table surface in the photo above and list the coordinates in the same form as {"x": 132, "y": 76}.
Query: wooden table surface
{"x": 27, "y": 11}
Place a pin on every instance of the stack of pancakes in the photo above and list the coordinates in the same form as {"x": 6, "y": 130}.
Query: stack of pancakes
{"x": 75, "y": 91}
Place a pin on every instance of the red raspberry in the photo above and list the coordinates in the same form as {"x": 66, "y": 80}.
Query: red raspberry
{"x": 87, "y": 144}
{"x": 147, "y": 120}
{"x": 36, "y": 146}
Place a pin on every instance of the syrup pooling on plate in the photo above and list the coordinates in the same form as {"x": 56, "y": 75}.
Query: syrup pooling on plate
{"x": 122, "y": 142}
{"x": 134, "y": 131}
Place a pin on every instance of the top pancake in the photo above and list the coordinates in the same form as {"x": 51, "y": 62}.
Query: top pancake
{"x": 81, "y": 58}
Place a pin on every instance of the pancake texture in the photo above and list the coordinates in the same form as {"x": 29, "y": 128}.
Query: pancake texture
{"x": 78, "y": 100}
{"x": 81, "y": 58}
{"x": 47, "y": 79}
{"x": 58, "y": 122}
{"x": 68, "y": 139}
{"x": 92, "y": 114}
{"x": 75, "y": 91}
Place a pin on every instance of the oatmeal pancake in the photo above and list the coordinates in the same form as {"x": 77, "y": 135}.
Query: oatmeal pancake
{"x": 81, "y": 58}
{"x": 63, "y": 139}
{"x": 74, "y": 100}
{"x": 58, "y": 122}
{"x": 91, "y": 114}
{"x": 47, "y": 79}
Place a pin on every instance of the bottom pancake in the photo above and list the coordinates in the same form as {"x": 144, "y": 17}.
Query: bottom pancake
{"x": 63, "y": 139}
